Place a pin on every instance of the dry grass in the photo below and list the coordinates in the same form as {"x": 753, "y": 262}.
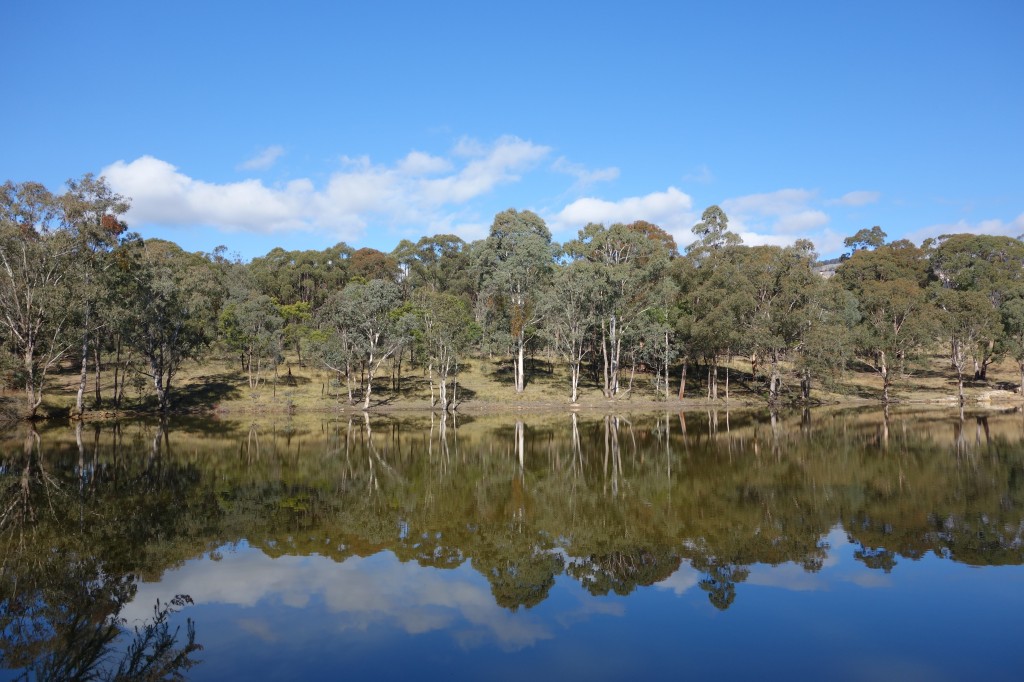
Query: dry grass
{"x": 486, "y": 385}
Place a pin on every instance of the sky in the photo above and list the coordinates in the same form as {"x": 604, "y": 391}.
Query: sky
{"x": 255, "y": 125}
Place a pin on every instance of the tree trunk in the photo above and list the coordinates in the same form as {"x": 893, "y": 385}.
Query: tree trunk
{"x": 666, "y": 366}
{"x": 520, "y": 366}
{"x": 616, "y": 362}
{"x": 369, "y": 383}
{"x": 83, "y": 375}
{"x": 117, "y": 370}
{"x": 99, "y": 376}
{"x": 883, "y": 369}
{"x": 158, "y": 385}
{"x": 348, "y": 380}
{"x": 455, "y": 390}
{"x": 604, "y": 358}
{"x": 682, "y": 381}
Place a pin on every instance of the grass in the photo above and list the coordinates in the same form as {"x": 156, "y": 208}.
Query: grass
{"x": 486, "y": 385}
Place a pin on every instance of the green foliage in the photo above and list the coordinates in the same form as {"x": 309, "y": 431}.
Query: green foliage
{"x": 865, "y": 238}
{"x": 38, "y": 278}
{"x": 250, "y": 326}
{"x": 174, "y": 308}
{"x": 896, "y": 318}
{"x": 302, "y": 276}
{"x": 516, "y": 261}
{"x": 712, "y": 233}
{"x": 613, "y": 301}
{"x": 626, "y": 265}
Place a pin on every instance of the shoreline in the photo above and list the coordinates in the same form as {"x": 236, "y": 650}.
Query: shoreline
{"x": 1005, "y": 400}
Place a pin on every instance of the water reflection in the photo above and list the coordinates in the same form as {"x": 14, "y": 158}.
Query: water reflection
{"x": 66, "y": 578}
{"x": 437, "y": 524}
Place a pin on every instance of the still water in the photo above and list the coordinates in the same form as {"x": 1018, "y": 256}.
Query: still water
{"x": 848, "y": 545}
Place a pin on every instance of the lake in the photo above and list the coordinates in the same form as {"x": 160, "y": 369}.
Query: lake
{"x": 823, "y": 544}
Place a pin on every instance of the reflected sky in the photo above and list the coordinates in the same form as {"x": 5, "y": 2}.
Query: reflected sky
{"x": 276, "y": 618}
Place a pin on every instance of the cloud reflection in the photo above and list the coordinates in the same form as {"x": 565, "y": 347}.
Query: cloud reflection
{"x": 361, "y": 592}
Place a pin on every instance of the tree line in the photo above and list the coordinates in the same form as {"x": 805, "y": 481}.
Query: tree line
{"x": 618, "y": 301}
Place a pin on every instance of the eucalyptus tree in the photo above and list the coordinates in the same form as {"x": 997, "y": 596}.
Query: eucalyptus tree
{"x": 516, "y": 262}
{"x": 968, "y": 323}
{"x": 175, "y": 308}
{"x": 250, "y": 325}
{"x": 656, "y": 345}
{"x": 441, "y": 262}
{"x": 303, "y": 276}
{"x": 712, "y": 233}
{"x": 865, "y": 239}
{"x": 1012, "y": 318}
{"x": 37, "y": 289}
{"x": 446, "y": 330}
{"x": 714, "y": 303}
{"x": 295, "y": 325}
{"x": 366, "y": 264}
{"x": 300, "y": 282}
{"x": 121, "y": 306}
{"x": 897, "y": 320}
{"x": 91, "y": 211}
{"x": 990, "y": 265}
{"x": 571, "y": 309}
{"x": 332, "y": 343}
{"x": 685, "y": 276}
{"x": 368, "y": 311}
{"x": 629, "y": 261}
{"x": 780, "y": 282}
{"x": 826, "y": 344}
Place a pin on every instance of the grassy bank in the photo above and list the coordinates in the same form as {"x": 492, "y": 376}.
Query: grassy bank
{"x": 486, "y": 385}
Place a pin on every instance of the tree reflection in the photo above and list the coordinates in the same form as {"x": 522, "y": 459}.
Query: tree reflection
{"x": 615, "y": 504}
{"x": 69, "y": 568}
{"x": 623, "y": 571}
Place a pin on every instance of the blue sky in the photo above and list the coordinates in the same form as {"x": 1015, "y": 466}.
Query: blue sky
{"x": 302, "y": 124}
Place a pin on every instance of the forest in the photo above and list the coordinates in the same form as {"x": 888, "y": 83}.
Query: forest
{"x": 81, "y": 293}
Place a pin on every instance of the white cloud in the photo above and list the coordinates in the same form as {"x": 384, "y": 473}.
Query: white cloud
{"x": 995, "y": 226}
{"x": 801, "y": 221}
{"x": 418, "y": 163}
{"x": 776, "y": 203}
{"x": 778, "y": 218}
{"x": 264, "y": 160}
{"x": 672, "y": 210}
{"x": 857, "y": 198}
{"x": 584, "y": 176}
{"x": 162, "y": 195}
{"x": 420, "y": 189}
